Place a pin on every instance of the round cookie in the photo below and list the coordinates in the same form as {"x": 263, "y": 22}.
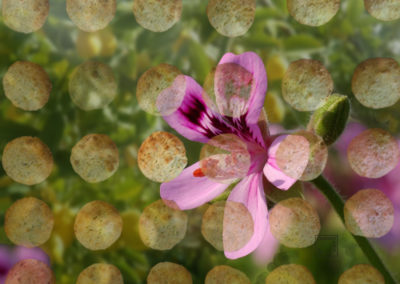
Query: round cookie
{"x": 162, "y": 157}
{"x": 100, "y": 273}
{"x": 157, "y": 15}
{"x": 313, "y": 12}
{"x": 375, "y": 82}
{"x": 29, "y": 222}
{"x": 306, "y": 84}
{"x": 25, "y": 16}
{"x": 98, "y": 225}
{"x": 27, "y": 85}
{"x": 294, "y": 223}
{"x": 27, "y": 160}
{"x": 231, "y": 18}
{"x": 91, "y": 15}
{"x": 95, "y": 158}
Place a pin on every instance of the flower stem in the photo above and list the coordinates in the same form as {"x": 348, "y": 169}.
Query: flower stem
{"x": 338, "y": 204}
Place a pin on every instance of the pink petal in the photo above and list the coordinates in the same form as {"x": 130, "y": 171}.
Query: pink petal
{"x": 277, "y": 177}
{"x": 253, "y": 64}
{"x": 267, "y": 249}
{"x": 275, "y": 129}
{"x": 250, "y": 193}
{"x": 188, "y": 191}
{"x": 193, "y": 119}
{"x": 31, "y": 253}
{"x": 272, "y": 171}
{"x": 7, "y": 259}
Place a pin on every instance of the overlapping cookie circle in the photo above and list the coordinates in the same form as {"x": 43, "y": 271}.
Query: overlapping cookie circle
{"x": 30, "y": 271}
{"x": 369, "y": 213}
{"x": 27, "y": 160}
{"x": 173, "y": 273}
{"x": 306, "y": 83}
{"x": 294, "y": 222}
{"x": 301, "y": 155}
{"x": 36, "y": 271}
{"x": 376, "y": 83}
{"x": 230, "y": 18}
{"x": 373, "y": 153}
{"x": 98, "y": 79}
{"x": 320, "y": 12}
{"x": 92, "y": 85}
{"x": 29, "y": 222}
{"x": 226, "y": 225}
{"x": 100, "y": 273}
{"x": 307, "y": 86}
{"x": 361, "y": 273}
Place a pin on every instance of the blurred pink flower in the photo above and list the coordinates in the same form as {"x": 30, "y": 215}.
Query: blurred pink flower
{"x": 348, "y": 182}
{"x": 11, "y": 255}
{"x": 198, "y": 119}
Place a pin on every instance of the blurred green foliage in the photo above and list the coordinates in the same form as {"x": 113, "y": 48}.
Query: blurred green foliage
{"x": 194, "y": 47}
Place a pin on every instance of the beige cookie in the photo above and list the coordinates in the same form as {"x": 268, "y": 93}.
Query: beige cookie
{"x": 95, "y": 158}
{"x": 98, "y": 225}
{"x": 92, "y": 85}
{"x": 25, "y": 16}
{"x": 29, "y": 222}
{"x": 27, "y": 160}
{"x": 27, "y": 85}
{"x": 306, "y": 84}
{"x": 294, "y": 223}
{"x": 384, "y": 10}
{"x": 369, "y": 213}
{"x": 375, "y": 82}
{"x": 231, "y": 18}
{"x": 313, "y": 12}
{"x": 226, "y": 274}
{"x": 162, "y": 227}
{"x": 91, "y": 15}
{"x": 157, "y": 15}
{"x": 162, "y": 157}
{"x": 100, "y": 273}
{"x": 361, "y": 274}
{"x": 169, "y": 273}
{"x": 291, "y": 274}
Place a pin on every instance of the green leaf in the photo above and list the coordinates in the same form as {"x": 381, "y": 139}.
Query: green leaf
{"x": 267, "y": 13}
{"x": 53, "y": 130}
{"x": 261, "y": 40}
{"x": 301, "y": 42}
{"x": 199, "y": 60}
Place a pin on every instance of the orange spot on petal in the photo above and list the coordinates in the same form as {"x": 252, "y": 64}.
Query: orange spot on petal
{"x": 198, "y": 173}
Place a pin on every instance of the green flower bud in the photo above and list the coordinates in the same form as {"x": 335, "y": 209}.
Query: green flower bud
{"x": 329, "y": 121}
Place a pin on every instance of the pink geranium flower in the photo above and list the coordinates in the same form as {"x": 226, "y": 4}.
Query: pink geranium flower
{"x": 198, "y": 119}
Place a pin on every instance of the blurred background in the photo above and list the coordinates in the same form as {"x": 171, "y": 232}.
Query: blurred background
{"x": 193, "y": 46}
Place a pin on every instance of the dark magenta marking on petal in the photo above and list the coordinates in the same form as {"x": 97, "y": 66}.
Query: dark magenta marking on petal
{"x": 195, "y": 111}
